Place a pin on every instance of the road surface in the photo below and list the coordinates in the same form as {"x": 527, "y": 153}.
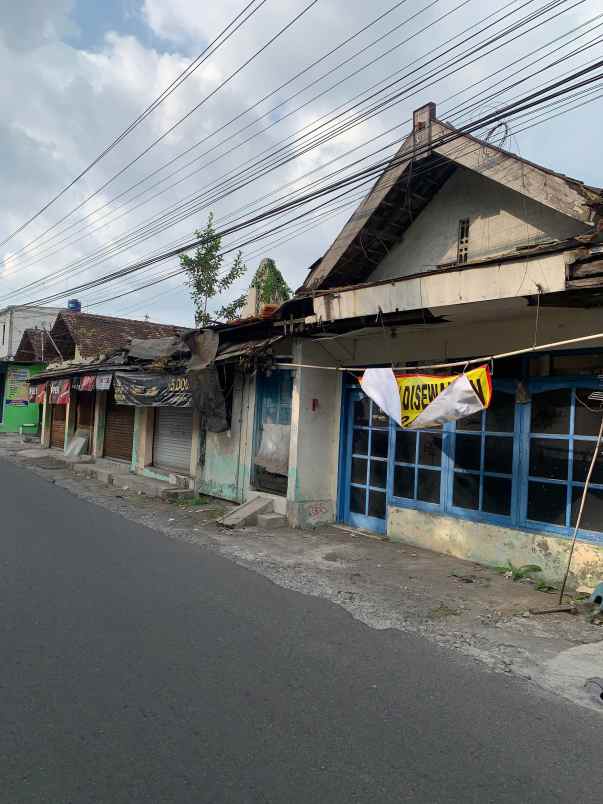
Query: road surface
{"x": 139, "y": 669}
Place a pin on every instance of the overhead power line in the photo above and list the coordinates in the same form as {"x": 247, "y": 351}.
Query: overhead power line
{"x": 370, "y": 95}
{"x": 532, "y": 122}
{"x": 530, "y": 101}
{"x": 183, "y": 76}
{"x": 246, "y": 111}
{"x": 181, "y": 120}
{"x": 183, "y": 212}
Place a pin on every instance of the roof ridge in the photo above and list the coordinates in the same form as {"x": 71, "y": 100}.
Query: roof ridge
{"x": 75, "y": 315}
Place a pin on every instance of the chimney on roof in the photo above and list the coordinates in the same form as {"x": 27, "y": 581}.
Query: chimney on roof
{"x": 422, "y": 119}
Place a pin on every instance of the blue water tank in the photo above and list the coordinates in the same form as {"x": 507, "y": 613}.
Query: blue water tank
{"x": 74, "y": 305}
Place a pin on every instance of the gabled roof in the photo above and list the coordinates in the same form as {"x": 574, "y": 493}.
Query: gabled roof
{"x": 425, "y": 161}
{"x": 36, "y": 346}
{"x": 99, "y": 335}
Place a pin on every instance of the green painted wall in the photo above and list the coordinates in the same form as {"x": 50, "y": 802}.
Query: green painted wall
{"x": 13, "y": 416}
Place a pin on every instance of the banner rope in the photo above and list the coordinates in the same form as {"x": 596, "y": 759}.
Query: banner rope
{"x": 485, "y": 359}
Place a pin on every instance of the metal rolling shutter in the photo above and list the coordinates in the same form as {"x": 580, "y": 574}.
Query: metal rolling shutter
{"x": 57, "y": 426}
{"x": 119, "y": 431}
{"x": 173, "y": 438}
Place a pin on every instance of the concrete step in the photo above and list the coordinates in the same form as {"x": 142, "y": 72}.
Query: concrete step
{"x": 145, "y": 485}
{"x": 271, "y": 521}
{"x": 172, "y": 494}
{"x": 247, "y": 513}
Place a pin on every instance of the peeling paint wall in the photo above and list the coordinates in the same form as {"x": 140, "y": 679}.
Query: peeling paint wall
{"x": 499, "y": 219}
{"x": 494, "y": 545}
{"x": 314, "y": 450}
{"x": 225, "y": 457}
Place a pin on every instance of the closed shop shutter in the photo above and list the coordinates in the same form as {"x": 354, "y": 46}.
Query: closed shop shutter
{"x": 119, "y": 431}
{"x": 57, "y": 426}
{"x": 173, "y": 438}
{"x": 84, "y": 416}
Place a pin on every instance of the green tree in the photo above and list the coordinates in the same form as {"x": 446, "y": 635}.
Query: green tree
{"x": 271, "y": 286}
{"x": 207, "y": 277}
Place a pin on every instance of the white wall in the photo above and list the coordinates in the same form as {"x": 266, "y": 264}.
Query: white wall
{"x": 500, "y": 219}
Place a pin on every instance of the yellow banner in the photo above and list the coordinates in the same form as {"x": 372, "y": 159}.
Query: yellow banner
{"x": 417, "y": 391}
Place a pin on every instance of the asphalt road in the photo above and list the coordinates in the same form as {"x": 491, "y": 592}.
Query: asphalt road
{"x": 139, "y": 669}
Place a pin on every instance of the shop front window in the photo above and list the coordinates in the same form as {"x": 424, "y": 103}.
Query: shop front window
{"x": 418, "y": 466}
{"x": 523, "y": 462}
{"x": 562, "y": 438}
{"x": 483, "y": 458}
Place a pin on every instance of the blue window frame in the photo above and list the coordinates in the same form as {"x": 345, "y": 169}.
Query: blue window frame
{"x": 484, "y": 458}
{"x": 418, "y": 467}
{"x": 561, "y": 433}
{"x": 368, "y": 448}
{"x": 518, "y": 464}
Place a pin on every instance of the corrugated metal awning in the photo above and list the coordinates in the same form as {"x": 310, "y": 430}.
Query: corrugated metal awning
{"x": 245, "y": 348}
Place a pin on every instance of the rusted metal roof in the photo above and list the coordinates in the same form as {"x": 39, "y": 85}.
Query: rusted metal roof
{"x": 246, "y": 348}
{"x": 94, "y": 335}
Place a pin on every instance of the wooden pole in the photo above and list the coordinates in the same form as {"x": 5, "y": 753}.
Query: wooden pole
{"x": 579, "y": 519}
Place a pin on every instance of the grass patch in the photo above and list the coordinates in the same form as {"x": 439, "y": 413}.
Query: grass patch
{"x": 199, "y": 501}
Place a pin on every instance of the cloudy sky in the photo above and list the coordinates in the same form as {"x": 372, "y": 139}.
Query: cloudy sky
{"x": 75, "y": 73}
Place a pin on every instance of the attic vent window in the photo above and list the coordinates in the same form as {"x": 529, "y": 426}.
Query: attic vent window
{"x": 463, "y": 242}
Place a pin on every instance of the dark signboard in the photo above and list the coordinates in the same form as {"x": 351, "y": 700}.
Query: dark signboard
{"x": 152, "y": 390}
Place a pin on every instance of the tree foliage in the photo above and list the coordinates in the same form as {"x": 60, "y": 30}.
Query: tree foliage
{"x": 207, "y": 277}
{"x": 271, "y": 286}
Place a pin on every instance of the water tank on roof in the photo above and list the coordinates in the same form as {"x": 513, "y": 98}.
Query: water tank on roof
{"x": 74, "y": 305}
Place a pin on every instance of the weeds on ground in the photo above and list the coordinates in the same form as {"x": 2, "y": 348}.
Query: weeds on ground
{"x": 517, "y": 573}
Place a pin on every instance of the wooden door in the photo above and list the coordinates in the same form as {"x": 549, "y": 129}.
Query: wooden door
{"x": 84, "y": 415}
{"x": 57, "y": 426}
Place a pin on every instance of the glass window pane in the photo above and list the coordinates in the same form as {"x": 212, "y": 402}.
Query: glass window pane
{"x": 404, "y": 482}
{"x": 585, "y": 421}
{"x": 379, "y": 474}
{"x": 498, "y": 455}
{"x": 361, "y": 411}
{"x": 497, "y": 495}
{"x": 428, "y": 485}
{"x": 548, "y": 457}
{"x": 406, "y": 444}
{"x": 546, "y": 502}
{"x": 500, "y": 416}
{"x": 465, "y": 492}
{"x": 377, "y": 504}
{"x": 379, "y": 418}
{"x": 467, "y": 453}
{"x": 379, "y": 443}
{"x": 430, "y": 449}
{"x": 592, "y": 516}
{"x": 473, "y": 422}
{"x": 583, "y": 455}
{"x": 357, "y": 500}
{"x": 551, "y": 411}
{"x": 359, "y": 470}
{"x": 360, "y": 442}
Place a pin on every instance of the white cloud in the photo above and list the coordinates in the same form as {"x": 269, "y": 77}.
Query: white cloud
{"x": 30, "y": 24}
{"x": 62, "y": 105}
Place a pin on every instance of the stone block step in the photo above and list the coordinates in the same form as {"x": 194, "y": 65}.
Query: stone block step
{"x": 271, "y": 521}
